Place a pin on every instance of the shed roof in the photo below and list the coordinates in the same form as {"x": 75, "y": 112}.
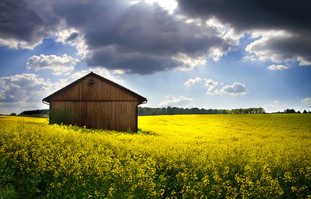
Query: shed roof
{"x": 141, "y": 99}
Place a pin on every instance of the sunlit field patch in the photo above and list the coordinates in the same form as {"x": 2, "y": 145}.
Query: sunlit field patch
{"x": 25, "y": 119}
{"x": 180, "y": 156}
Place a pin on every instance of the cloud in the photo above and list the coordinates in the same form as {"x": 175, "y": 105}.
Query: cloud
{"x": 130, "y": 62}
{"x": 118, "y": 72}
{"x": 249, "y": 58}
{"x": 279, "y": 36}
{"x": 60, "y": 65}
{"x": 136, "y": 47}
{"x": 177, "y": 102}
{"x": 145, "y": 38}
{"x": 211, "y": 84}
{"x": 276, "y": 102}
{"x": 169, "y": 5}
{"x": 277, "y": 67}
{"x": 192, "y": 82}
{"x": 270, "y": 108}
{"x": 20, "y": 26}
{"x": 306, "y": 101}
{"x": 281, "y": 46}
{"x": 252, "y": 15}
{"x": 25, "y": 87}
{"x": 140, "y": 38}
{"x": 236, "y": 89}
{"x": 72, "y": 37}
{"x": 188, "y": 63}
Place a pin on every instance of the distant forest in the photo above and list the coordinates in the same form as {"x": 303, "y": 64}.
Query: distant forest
{"x": 172, "y": 111}
{"x": 175, "y": 110}
{"x": 36, "y": 113}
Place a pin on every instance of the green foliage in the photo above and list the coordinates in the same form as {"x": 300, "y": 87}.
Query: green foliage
{"x": 178, "y": 111}
{"x": 63, "y": 115}
{"x": 7, "y": 190}
{"x": 35, "y": 113}
{"x": 13, "y": 114}
{"x": 129, "y": 130}
{"x": 290, "y": 111}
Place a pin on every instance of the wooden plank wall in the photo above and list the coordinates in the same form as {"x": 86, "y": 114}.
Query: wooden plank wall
{"x": 99, "y": 90}
{"x": 99, "y": 105}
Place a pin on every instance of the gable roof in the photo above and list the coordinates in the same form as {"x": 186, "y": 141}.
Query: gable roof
{"x": 141, "y": 99}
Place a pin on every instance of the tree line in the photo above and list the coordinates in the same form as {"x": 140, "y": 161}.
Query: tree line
{"x": 175, "y": 110}
{"x": 35, "y": 113}
{"x": 171, "y": 111}
{"x": 293, "y": 111}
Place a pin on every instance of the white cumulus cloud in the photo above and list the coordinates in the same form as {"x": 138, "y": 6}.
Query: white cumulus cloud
{"x": 60, "y": 65}
{"x": 120, "y": 72}
{"x": 181, "y": 101}
{"x": 188, "y": 62}
{"x": 249, "y": 58}
{"x": 192, "y": 82}
{"x": 211, "y": 84}
{"x": 25, "y": 87}
{"x": 306, "y": 101}
{"x": 235, "y": 89}
{"x": 277, "y": 67}
{"x": 280, "y": 46}
{"x": 276, "y": 102}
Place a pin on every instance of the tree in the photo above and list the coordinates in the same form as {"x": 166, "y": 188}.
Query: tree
{"x": 164, "y": 112}
{"x": 304, "y": 111}
{"x": 195, "y": 110}
{"x": 141, "y": 111}
{"x": 169, "y": 110}
{"x": 13, "y": 114}
{"x": 290, "y": 111}
{"x": 261, "y": 110}
{"x": 176, "y": 110}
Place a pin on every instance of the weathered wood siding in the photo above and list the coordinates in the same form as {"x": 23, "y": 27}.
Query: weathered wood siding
{"x": 99, "y": 90}
{"x": 98, "y": 105}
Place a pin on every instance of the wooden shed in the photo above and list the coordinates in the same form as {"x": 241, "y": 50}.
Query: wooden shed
{"x": 98, "y": 103}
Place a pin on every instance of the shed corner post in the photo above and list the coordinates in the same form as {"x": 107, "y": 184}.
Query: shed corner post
{"x": 136, "y": 118}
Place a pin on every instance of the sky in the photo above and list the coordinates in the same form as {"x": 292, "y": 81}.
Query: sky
{"x": 216, "y": 54}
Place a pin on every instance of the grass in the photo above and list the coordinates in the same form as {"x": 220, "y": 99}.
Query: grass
{"x": 180, "y": 156}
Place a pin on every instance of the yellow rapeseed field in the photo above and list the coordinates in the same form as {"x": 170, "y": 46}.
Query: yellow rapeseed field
{"x": 179, "y": 156}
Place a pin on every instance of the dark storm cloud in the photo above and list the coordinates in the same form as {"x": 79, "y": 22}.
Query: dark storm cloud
{"x": 132, "y": 62}
{"x": 73, "y": 36}
{"x": 144, "y": 37}
{"x": 21, "y": 25}
{"x": 151, "y": 30}
{"x": 250, "y": 16}
{"x": 294, "y": 47}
